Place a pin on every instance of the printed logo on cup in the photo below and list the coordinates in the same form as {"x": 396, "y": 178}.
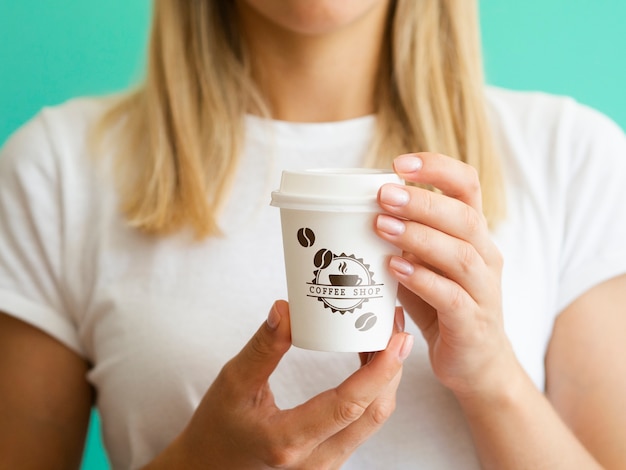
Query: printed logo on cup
{"x": 342, "y": 282}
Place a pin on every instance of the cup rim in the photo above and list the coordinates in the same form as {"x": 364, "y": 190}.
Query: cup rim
{"x": 307, "y": 190}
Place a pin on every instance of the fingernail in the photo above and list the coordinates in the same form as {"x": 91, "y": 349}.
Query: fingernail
{"x": 407, "y": 345}
{"x": 399, "y": 321}
{"x": 273, "y": 319}
{"x": 401, "y": 265}
{"x": 393, "y": 195}
{"x": 390, "y": 225}
{"x": 407, "y": 164}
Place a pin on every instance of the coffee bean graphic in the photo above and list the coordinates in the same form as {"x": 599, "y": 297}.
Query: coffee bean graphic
{"x": 366, "y": 321}
{"x": 323, "y": 258}
{"x": 306, "y": 237}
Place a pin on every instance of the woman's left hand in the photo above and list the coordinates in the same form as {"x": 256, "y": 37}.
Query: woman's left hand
{"x": 450, "y": 270}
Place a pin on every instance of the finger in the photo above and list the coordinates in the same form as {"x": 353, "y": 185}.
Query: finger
{"x": 365, "y": 357}
{"x": 456, "y": 259}
{"x": 422, "y": 314}
{"x": 344, "y": 443}
{"x": 260, "y": 356}
{"x": 399, "y": 321}
{"x": 444, "y": 213}
{"x": 452, "y": 303}
{"x": 326, "y": 414}
{"x": 439, "y": 211}
{"x": 398, "y": 327}
{"x": 453, "y": 177}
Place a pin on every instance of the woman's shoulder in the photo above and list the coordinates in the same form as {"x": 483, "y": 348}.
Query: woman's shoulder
{"x": 52, "y": 154}
{"x": 554, "y": 132}
{"x": 82, "y": 107}
{"x": 540, "y": 116}
{"x": 68, "y": 121}
{"x": 54, "y": 135}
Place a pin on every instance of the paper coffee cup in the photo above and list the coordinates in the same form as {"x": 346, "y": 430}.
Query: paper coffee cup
{"x": 341, "y": 296}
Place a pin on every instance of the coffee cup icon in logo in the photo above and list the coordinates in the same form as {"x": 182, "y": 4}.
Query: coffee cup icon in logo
{"x": 342, "y": 282}
{"x": 344, "y": 279}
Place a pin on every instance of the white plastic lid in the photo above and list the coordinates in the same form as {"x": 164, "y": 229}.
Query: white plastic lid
{"x": 332, "y": 190}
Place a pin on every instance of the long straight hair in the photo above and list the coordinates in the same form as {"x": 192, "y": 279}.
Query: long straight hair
{"x": 178, "y": 144}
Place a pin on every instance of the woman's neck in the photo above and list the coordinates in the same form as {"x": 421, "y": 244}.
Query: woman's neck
{"x": 322, "y": 77}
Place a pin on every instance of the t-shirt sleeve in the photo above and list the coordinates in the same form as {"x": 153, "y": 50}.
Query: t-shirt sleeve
{"x": 31, "y": 234}
{"x": 594, "y": 232}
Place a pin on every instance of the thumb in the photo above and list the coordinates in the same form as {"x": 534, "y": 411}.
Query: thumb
{"x": 260, "y": 356}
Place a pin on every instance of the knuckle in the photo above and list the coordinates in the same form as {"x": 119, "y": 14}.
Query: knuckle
{"x": 381, "y": 411}
{"x": 427, "y": 204}
{"x": 420, "y": 235}
{"x": 349, "y": 411}
{"x": 430, "y": 281}
{"x": 473, "y": 179}
{"x": 498, "y": 259}
{"x": 229, "y": 376}
{"x": 281, "y": 449}
{"x": 473, "y": 221}
{"x": 258, "y": 348}
{"x": 457, "y": 299}
{"x": 465, "y": 256}
{"x": 281, "y": 455}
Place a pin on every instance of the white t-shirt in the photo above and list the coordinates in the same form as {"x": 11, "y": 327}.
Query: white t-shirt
{"x": 158, "y": 317}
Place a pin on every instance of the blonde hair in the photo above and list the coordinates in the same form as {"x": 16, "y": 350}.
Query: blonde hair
{"x": 181, "y": 133}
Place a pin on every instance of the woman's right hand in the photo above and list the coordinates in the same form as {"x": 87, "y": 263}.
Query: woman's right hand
{"x": 238, "y": 425}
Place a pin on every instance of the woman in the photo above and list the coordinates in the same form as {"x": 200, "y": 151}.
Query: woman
{"x": 133, "y": 266}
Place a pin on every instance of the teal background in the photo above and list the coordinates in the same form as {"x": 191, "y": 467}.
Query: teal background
{"x": 51, "y": 50}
